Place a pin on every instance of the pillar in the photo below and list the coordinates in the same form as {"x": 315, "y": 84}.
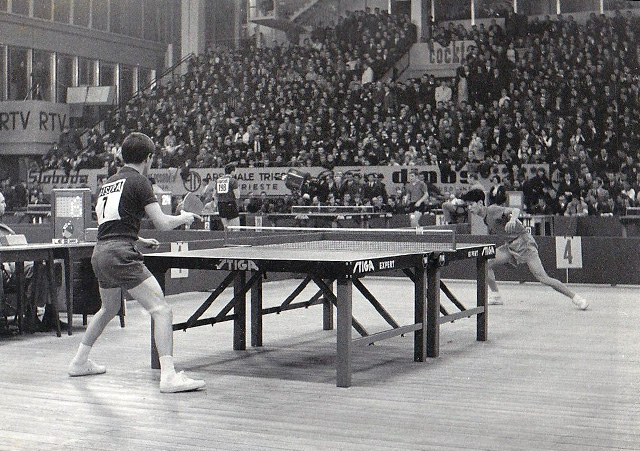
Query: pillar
{"x": 192, "y": 27}
{"x": 421, "y": 17}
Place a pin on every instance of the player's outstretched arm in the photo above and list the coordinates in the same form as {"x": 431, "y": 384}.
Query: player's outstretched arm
{"x": 168, "y": 222}
{"x": 150, "y": 243}
{"x": 514, "y": 225}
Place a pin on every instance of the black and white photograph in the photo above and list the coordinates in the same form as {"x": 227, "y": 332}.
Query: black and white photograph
{"x": 319, "y": 225}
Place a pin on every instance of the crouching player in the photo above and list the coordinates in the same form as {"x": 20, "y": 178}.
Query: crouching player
{"x": 520, "y": 247}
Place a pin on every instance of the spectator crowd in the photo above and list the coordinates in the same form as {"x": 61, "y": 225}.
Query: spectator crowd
{"x": 550, "y": 91}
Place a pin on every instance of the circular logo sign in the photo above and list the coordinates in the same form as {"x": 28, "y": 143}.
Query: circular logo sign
{"x": 192, "y": 182}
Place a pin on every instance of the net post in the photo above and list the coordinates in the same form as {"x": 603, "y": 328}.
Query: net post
{"x": 454, "y": 239}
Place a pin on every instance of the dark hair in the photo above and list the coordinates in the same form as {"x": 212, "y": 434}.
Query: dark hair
{"x": 136, "y": 148}
{"x": 474, "y": 195}
{"x": 228, "y": 169}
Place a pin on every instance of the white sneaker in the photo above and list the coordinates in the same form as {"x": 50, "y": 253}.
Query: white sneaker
{"x": 580, "y": 302}
{"x": 86, "y": 369}
{"x": 495, "y": 299}
{"x": 180, "y": 383}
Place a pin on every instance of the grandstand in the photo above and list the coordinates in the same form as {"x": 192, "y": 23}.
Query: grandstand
{"x": 560, "y": 91}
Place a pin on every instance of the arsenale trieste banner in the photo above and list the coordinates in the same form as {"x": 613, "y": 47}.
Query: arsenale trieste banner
{"x": 267, "y": 180}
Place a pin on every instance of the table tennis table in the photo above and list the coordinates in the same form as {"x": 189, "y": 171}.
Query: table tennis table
{"x": 326, "y": 256}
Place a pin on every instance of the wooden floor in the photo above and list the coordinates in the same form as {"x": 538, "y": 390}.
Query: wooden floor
{"x": 550, "y": 377}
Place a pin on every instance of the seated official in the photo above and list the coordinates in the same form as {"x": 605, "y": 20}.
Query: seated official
{"x": 9, "y": 282}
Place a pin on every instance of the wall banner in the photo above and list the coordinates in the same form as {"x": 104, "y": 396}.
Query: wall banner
{"x": 258, "y": 180}
{"x": 32, "y": 121}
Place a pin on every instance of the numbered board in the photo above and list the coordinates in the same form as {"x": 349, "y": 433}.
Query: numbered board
{"x": 71, "y": 212}
{"x": 568, "y": 252}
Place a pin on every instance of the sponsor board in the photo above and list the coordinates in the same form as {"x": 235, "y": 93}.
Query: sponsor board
{"x": 257, "y": 180}
{"x": 433, "y": 55}
{"x": 32, "y": 121}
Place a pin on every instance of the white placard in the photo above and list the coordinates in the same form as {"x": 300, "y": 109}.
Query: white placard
{"x": 568, "y": 252}
{"x": 179, "y": 273}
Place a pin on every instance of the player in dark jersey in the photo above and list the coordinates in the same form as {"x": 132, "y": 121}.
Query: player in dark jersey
{"x": 122, "y": 202}
{"x": 416, "y": 197}
{"x": 227, "y": 193}
{"x": 519, "y": 246}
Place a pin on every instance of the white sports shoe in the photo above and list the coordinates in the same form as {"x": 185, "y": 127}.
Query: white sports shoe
{"x": 86, "y": 369}
{"x": 580, "y": 302}
{"x": 495, "y": 299}
{"x": 180, "y": 383}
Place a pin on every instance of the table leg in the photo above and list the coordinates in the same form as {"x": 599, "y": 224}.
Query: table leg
{"x": 433, "y": 308}
{"x": 344, "y": 343}
{"x": 327, "y": 309}
{"x": 53, "y": 291}
{"x": 68, "y": 282}
{"x": 256, "y": 313}
{"x": 22, "y": 297}
{"x": 240, "y": 313}
{"x": 420, "y": 335}
{"x": 482, "y": 318}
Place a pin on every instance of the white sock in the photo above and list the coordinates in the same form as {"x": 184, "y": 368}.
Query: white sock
{"x": 167, "y": 368}
{"x": 83, "y": 354}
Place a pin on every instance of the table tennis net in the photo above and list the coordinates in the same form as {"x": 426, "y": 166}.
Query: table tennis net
{"x": 338, "y": 209}
{"x": 343, "y": 239}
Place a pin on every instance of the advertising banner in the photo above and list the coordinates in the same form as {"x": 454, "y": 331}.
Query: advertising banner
{"x": 258, "y": 180}
{"x": 433, "y": 56}
{"x": 454, "y": 53}
{"x": 32, "y": 121}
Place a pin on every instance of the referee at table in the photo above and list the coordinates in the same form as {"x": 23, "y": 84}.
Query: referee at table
{"x": 122, "y": 202}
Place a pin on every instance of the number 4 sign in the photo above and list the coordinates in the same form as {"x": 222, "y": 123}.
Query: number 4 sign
{"x": 568, "y": 252}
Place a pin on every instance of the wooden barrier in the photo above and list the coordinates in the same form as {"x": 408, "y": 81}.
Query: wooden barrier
{"x": 606, "y": 260}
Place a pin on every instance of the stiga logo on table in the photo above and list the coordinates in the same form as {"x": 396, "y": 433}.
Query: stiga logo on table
{"x": 363, "y": 266}
{"x": 237, "y": 265}
{"x": 488, "y": 250}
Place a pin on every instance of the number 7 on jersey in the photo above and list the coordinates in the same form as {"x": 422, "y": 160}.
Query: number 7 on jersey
{"x": 108, "y": 203}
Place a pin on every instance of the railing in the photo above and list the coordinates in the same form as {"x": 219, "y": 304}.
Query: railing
{"x": 84, "y": 138}
{"x": 398, "y": 68}
{"x": 319, "y": 14}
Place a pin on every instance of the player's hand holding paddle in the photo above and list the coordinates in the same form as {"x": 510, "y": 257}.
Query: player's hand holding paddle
{"x": 514, "y": 226}
{"x": 188, "y": 217}
{"x": 192, "y": 208}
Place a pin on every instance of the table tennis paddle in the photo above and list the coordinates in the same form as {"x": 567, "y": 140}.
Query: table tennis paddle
{"x": 193, "y": 204}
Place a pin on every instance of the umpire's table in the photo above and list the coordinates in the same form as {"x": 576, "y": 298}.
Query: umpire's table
{"x": 326, "y": 256}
